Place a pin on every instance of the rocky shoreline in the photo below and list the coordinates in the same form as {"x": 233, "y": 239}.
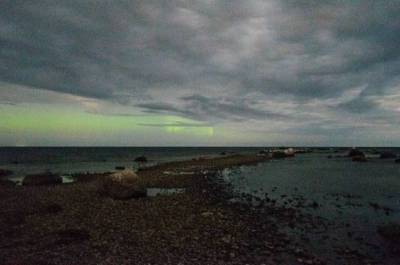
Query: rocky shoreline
{"x": 206, "y": 224}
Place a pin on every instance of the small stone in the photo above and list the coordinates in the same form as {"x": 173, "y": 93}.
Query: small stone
{"x": 227, "y": 239}
{"x": 207, "y": 214}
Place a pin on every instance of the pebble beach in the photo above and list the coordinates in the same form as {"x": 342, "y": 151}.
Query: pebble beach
{"x": 201, "y": 224}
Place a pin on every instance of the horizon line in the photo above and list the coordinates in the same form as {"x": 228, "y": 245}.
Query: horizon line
{"x": 198, "y": 146}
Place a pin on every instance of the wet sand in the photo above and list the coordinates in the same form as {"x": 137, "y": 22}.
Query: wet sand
{"x": 74, "y": 224}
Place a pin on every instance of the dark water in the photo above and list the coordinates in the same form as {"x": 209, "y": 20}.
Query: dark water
{"x": 347, "y": 194}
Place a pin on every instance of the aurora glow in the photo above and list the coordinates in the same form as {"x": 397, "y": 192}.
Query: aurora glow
{"x": 66, "y": 123}
{"x": 138, "y": 73}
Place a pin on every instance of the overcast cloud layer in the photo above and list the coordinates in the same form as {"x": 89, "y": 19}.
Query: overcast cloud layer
{"x": 312, "y": 68}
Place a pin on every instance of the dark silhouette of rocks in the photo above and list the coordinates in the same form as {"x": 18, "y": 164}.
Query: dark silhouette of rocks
{"x": 42, "y": 179}
{"x": 355, "y": 152}
{"x": 278, "y": 155}
{"x": 359, "y": 159}
{"x": 141, "y": 159}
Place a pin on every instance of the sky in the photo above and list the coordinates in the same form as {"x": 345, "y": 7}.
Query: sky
{"x": 199, "y": 73}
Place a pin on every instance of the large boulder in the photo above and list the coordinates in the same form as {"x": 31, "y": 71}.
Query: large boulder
{"x": 278, "y": 155}
{"x": 42, "y": 179}
{"x": 387, "y": 155}
{"x": 355, "y": 152}
{"x": 123, "y": 185}
{"x": 290, "y": 152}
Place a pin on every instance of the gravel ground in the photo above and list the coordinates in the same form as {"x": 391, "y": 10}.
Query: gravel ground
{"x": 74, "y": 224}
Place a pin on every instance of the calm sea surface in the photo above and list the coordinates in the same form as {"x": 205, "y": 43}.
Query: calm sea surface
{"x": 353, "y": 198}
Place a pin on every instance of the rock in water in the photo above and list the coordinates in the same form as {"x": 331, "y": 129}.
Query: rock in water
{"x": 355, "y": 152}
{"x": 278, "y": 155}
{"x": 123, "y": 185}
{"x": 42, "y": 179}
{"x": 290, "y": 152}
{"x": 397, "y": 161}
{"x": 141, "y": 159}
{"x": 387, "y": 155}
{"x": 359, "y": 159}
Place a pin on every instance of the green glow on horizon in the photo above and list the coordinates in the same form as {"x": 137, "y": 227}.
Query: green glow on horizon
{"x": 70, "y": 122}
{"x": 195, "y": 129}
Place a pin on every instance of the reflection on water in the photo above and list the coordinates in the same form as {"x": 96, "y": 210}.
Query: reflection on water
{"x": 354, "y": 198}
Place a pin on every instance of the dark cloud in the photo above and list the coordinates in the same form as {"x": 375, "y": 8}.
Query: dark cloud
{"x": 247, "y": 53}
{"x": 358, "y": 105}
{"x": 159, "y": 107}
{"x": 226, "y": 109}
{"x": 205, "y": 108}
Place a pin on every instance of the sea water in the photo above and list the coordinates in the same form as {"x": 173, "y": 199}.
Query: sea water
{"x": 353, "y": 198}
